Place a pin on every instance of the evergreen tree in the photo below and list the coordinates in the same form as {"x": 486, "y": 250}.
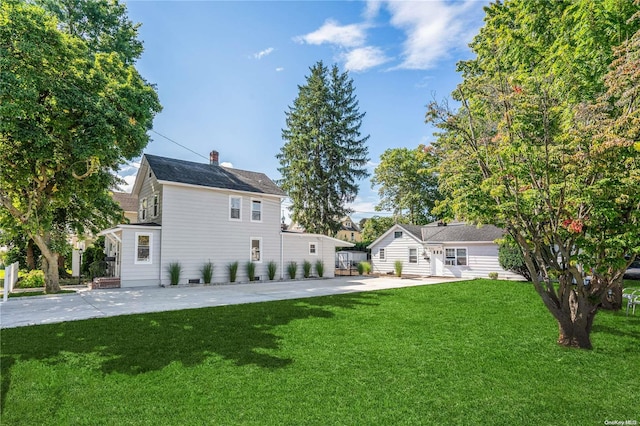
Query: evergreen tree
{"x": 324, "y": 154}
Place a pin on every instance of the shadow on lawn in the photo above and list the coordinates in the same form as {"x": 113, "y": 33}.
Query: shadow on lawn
{"x": 133, "y": 344}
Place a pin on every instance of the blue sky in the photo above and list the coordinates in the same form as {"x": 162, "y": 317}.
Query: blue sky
{"x": 226, "y": 71}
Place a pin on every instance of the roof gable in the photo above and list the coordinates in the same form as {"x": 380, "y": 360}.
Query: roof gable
{"x": 211, "y": 176}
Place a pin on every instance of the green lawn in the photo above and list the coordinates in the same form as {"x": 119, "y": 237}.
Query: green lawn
{"x": 477, "y": 352}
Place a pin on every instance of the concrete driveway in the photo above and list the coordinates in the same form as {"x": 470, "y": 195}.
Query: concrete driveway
{"x": 24, "y": 311}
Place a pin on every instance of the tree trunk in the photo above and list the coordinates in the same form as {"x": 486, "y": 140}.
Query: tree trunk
{"x": 31, "y": 259}
{"x": 49, "y": 264}
{"x": 575, "y": 322}
{"x": 51, "y": 273}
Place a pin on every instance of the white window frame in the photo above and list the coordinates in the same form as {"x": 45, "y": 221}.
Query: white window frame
{"x": 156, "y": 205}
{"x": 455, "y": 259}
{"x": 259, "y": 202}
{"x": 397, "y": 234}
{"x": 382, "y": 255}
{"x": 231, "y": 198}
{"x": 313, "y": 249}
{"x": 251, "y": 253}
{"x": 416, "y": 256}
{"x": 142, "y": 209}
{"x": 137, "y": 259}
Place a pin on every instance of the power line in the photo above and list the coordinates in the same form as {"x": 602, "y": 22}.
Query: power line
{"x": 179, "y": 144}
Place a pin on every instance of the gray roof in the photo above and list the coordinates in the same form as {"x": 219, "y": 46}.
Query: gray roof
{"x": 212, "y": 176}
{"x": 416, "y": 230}
{"x": 458, "y": 231}
{"x": 127, "y": 201}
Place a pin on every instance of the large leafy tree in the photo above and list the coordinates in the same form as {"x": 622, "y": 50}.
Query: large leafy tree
{"x": 544, "y": 144}
{"x": 70, "y": 117}
{"x": 324, "y": 155}
{"x": 407, "y": 183}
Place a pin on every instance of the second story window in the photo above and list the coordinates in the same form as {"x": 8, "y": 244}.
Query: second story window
{"x": 235, "y": 207}
{"x": 256, "y": 210}
{"x": 156, "y": 205}
{"x": 142, "y": 211}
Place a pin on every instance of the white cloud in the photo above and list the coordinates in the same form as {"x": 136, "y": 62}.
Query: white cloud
{"x": 279, "y": 69}
{"x": 263, "y": 53}
{"x": 332, "y": 32}
{"x": 128, "y": 173}
{"x": 363, "y": 58}
{"x": 433, "y": 29}
{"x": 372, "y": 9}
{"x": 227, "y": 164}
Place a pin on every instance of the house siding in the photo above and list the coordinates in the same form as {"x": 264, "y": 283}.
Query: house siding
{"x": 196, "y": 229}
{"x": 296, "y": 249}
{"x": 482, "y": 259}
{"x": 150, "y": 187}
{"x": 398, "y": 249}
{"x": 133, "y": 274}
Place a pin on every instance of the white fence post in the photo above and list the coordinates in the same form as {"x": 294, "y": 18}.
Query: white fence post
{"x": 10, "y": 278}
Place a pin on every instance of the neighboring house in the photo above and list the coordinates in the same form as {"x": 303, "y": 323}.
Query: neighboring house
{"x": 349, "y": 231}
{"x": 193, "y": 213}
{"x": 444, "y": 250}
{"x": 128, "y": 203}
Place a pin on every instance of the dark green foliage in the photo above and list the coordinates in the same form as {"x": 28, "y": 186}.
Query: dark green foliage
{"x": 207, "y": 272}
{"x": 174, "y": 269}
{"x": 272, "y": 267}
{"x": 97, "y": 269}
{"x": 511, "y": 259}
{"x": 292, "y": 269}
{"x": 73, "y": 109}
{"x": 324, "y": 154}
{"x": 320, "y": 268}
{"x": 306, "y": 269}
{"x": 233, "y": 271}
{"x": 251, "y": 271}
{"x": 408, "y": 183}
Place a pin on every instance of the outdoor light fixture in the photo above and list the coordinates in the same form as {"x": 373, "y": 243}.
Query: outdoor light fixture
{"x": 80, "y": 268}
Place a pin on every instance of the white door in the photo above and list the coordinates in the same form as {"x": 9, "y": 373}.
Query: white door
{"x": 437, "y": 262}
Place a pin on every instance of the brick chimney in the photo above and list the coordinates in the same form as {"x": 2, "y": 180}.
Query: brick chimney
{"x": 213, "y": 158}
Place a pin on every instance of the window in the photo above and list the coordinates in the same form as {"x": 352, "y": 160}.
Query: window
{"x": 143, "y": 248}
{"x": 256, "y": 252}
{"x": 381, "y": 254}
{"x": 413, "y": 255}
{"x": 156, "y": 205}
{"x": 142, "y": 211}
{"x": 235, "y": 207}
{"x": 256, "y": 211}
{"x": 313, "y": 249}
{"x": 347, "y": 224}
{"x": 397, "y": 234}
{"x": 455, "y": 256}
{"x": 353, "y": 236}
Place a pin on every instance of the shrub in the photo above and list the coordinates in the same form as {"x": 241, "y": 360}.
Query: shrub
{"x": 32, "y": 279}
{"x": 251, "y": 271}
{"x": 271, "y": 269}
{"x": 493, "y": 275}
{"x": 360, "y": 268}
{"x": 398, "y": 268}
{"x": 320, "y": 268}
{"x": 175, "y": 269}
{"x": 306, "y": 269}
{"x": 292, "y": 269}
{"x": 207, "y": 272}
{"x": 98, "y": 269}
{"x": 233, "y": 271}
{"x": 364, "y": 268}
{"x": 511, "y": 259}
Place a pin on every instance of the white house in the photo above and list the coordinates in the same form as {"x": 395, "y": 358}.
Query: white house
{"x": 193, "y": 213}
{"x": 438, "y": 249}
